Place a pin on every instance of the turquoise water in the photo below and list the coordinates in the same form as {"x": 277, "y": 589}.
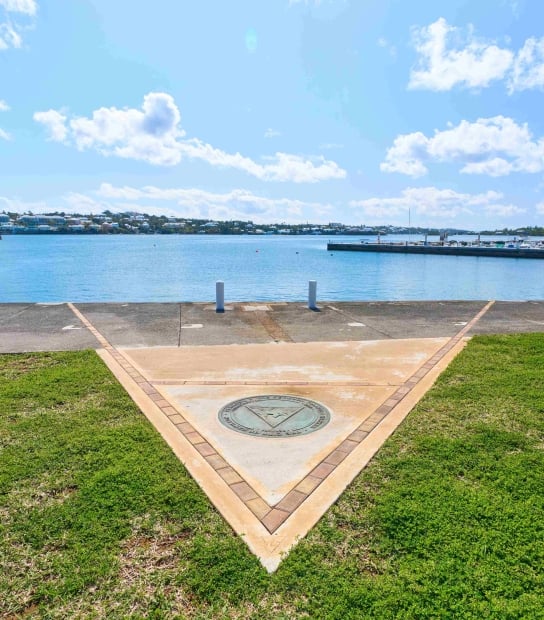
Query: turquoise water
{"x": 53, "y": 268}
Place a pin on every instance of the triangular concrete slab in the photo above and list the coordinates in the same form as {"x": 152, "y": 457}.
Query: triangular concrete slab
{"x": 273, "y": 490}
{"x": 350, "y": 379}
{"x": 369, "y": 387}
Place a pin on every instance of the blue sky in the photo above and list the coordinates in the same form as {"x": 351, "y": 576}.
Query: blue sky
{"x": 280, "y": 110}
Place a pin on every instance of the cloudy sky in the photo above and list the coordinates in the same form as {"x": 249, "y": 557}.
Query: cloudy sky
{"x": 353, "y": 111}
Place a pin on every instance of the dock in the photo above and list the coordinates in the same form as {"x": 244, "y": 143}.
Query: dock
{"x": 440, "y": 250}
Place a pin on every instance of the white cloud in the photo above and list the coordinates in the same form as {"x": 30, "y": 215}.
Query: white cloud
{"x": 476, "y": 64}
{"x": 494, "y": 146}
{"x": 9, "y": 37}
{"x": 153, "y": 134}
{"x": 4, "y": 107}
{"x": 433, "y": 203}
{"x": 84, "y": 204}
{"x": 16, "y": 205}
{"x": 325, "y": 146}
{"x": 272, "y": 133}
{"x": 29, "y": 7}
{"x": 406, "y": 155}
{"x": 125, "y": 207}
{"x": 496, "y": 167}
{"x": 514, "y": 7}
{"x": 107, "y": 190}
{"x": 149, "y": 134}
{"x": 234, "y": 204}
{"x": 382, "y": 42}
{"x": 449, "y": 57}
{"x": 429, "y": 204}
{"x": 11, "y": 27}
{"x": 528, "y": 68}
{"x": 55, "y": 123}
{"x": 504, "y": 210}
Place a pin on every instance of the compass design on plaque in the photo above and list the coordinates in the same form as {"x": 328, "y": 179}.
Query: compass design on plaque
{"x": 274, "y": 415}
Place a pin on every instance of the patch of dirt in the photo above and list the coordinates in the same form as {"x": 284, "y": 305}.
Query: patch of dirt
{"x": 40, "y": 492}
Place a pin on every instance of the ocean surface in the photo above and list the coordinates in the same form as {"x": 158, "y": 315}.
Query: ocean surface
{"x": 154, "y": 268}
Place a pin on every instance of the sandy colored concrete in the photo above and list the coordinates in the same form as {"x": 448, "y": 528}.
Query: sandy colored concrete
{"x": 273, "y": 466}
{"x": 351, "y": 379}
{"x": 271, "y": 548}
{"x": 384, "y": 362}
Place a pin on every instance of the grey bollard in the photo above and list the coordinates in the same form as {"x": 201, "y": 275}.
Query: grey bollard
{"x": 312, "y": 295}
{"x": 219, "y": 296}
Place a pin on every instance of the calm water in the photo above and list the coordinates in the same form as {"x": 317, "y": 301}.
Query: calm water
{"x": 272, "y": 268}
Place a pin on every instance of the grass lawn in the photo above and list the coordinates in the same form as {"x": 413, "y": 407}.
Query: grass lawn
{"x": 98, "y": 519}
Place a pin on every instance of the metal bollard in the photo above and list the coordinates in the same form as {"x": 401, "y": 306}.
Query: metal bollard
{"x": 312, "y": 295}
{"x": 219, "y": 296}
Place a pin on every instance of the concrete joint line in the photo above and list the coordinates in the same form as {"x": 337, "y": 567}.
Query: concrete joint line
{"x": 272, "y": 327}
{"x": 264, "y": 320}
{"x": 286, "y": 383}
{"x": 179, "y": 327}
{"x": 358, "y": 320}
{"x": 10, "y": 318}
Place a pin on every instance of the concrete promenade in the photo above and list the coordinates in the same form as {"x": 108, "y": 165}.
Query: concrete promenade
{"x": 55, "y": 327}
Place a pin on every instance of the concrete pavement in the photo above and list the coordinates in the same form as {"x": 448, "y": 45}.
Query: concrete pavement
{"x": 54, "y": 327}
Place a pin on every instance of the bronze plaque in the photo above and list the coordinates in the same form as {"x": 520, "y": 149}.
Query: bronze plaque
{"x": 274, "y": 415}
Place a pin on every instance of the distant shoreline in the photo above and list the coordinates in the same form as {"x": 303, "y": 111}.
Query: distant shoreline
{"x": 87, "y": 233}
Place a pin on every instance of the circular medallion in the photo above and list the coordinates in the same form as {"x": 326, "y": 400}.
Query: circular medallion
{"x": 275, "y": 415}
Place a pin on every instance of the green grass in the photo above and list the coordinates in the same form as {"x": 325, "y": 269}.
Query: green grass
{"x": 98, "y": 519}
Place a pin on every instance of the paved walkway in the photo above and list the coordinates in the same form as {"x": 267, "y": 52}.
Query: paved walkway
{"x": 54, "y": 327}
{"x": 368, "y": 364}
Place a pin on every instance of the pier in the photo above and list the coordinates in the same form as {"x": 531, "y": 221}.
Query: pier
{"x": 442, "y": 250}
